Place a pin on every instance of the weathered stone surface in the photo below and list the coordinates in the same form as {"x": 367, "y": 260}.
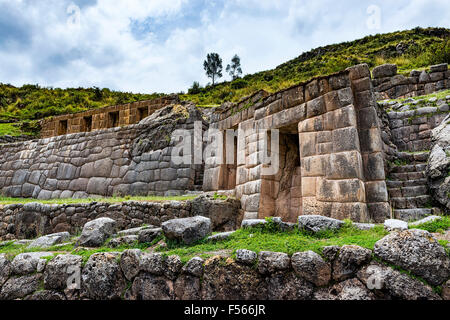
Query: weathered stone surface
{"x": 148, "y": 235}
{"x": 220, "y": 236}
{"x": 248, "y": 223}
{"x": 394, "y": 224}
{"x": 194, "y": 267}
{"x": 152, "y": 287}
{"x": 187, "y": 287}
{"x": 130, "y": 262}
{"x": 59, "y": 269}
{"x": 20, "y": 287}
{"x": 269, "y": 262}
{"x": 26, "y": 263}
{"x": 446, "y": 291}
{"x": 349, "y": 259}
{"x": 227, "y": 280}
{"x": 282, "y": 286}
{"x": 173, "y": 267}
{"x": 125, "y": 240}
{"x": 380, "y": 278}
{"x": 351, "y": 289}
{"x": 316, "y": 223}
{"x": 208, "y": 207}
{"x": 96, "y": 232}
{"x": 153, "y": 263}
{"x": 417, "y": 251}
{"x": 187, "y": 230}
{"x": 425, "y": 220}
{"x": 385, "y": 70}
{"x": 245, "y": 256}
{"x": 5, "y": 269}
{"x": 310, "y": 266}
{"x": 46, "y": 295}
{"x": 364, "y": 226}
{"x": 102, "y": 277}
{"x": 50, "y": 240}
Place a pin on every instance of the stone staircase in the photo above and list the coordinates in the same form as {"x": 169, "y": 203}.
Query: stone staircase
{"x": 407, "y": 187}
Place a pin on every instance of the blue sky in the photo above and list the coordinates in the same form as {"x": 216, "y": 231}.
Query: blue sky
{"x": 160, "y": 45}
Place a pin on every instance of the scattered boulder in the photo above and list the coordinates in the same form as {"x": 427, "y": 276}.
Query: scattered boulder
{"x": 270, "y": 262}
{"x": 316, "y": 223}
{"x": 311, "y": 267}
{"x": 417, "y": 251}
{"x": 187, "y": 230}
{"x": 148, "y": 235}
{"x": 394, "y": 224}
{"x": 220, "y": 236}
{"x": 207, "y": 206}
{"x": 59, "y": 269}
{"x": 250, "y": 223}
{"x": 350, "y": 258}
{"x": 102, "y": 277}
{"x": 134, "y": 231}
{"x": 425, "y": 220}
{"x": 96, "y": 232}
{"x": 245, "y": 256}
{"x": 49, "y": 240}
{"x": 364, "y": 226}
{"x": 31, "y": 262}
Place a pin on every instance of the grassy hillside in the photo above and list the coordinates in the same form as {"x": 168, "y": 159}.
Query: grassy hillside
{"x": 411, "y": 49}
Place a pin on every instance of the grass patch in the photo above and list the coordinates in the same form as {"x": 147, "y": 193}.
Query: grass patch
{"x": 6, "y": 201}
{"x": 440, "y": 226}
{"x": 9, "y": 129}
{"x": 265, "y": 239}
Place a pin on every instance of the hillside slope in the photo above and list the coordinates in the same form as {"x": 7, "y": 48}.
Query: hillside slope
{"x": 411, "y": 49}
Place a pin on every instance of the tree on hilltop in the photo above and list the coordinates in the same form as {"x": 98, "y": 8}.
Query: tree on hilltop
{"x": 213, "y": 66}
{"x": 234, "y": 70}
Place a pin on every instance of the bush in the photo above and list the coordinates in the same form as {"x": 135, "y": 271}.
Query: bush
{"x": 239, "y": 84}
{"x": 195, "y": 89}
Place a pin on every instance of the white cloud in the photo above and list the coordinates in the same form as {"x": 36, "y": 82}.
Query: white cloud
{"x": 103, "y": 51}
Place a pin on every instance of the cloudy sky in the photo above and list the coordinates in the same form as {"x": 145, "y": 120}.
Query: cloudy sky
{"x": 159, "y": 45}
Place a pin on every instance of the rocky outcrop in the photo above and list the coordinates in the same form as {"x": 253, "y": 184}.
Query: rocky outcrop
{"x": 438, "y": 168}
{"x": 417, "y": 251}
{"x": 316, "y": 223}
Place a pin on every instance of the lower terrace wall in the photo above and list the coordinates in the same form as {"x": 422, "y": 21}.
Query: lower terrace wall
{"x": 131, "y": 160}
{"x": 28, "y": 221}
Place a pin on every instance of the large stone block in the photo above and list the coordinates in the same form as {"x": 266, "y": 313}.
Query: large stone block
{"x": 344, "y": 117}
{"x": 345, "y": 165}
{"x": 348, "y": 190}
{"x": 345, "y": 139}
{"x": 385, "y": 70}
{"x": 376, "y": 191}
{"x": 356, "y": 211}
{"x": 314, "y": 166}
{"x": 315, "y": 107}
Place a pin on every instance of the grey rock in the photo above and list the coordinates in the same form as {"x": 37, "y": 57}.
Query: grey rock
{"x": 194, "y": 267}
{"x": 220, "y": 236}
{"x": 121, "y": 241}
{"x": 380, "y": 279}
{"x": 20, "y": 287}
{"x": 59, "y": 269}
{"x": 330, "y": 252}
{"x": 424, "y": 77}
{"x": 385, "y": 70}
{"x": 26, "y": 263}
{"x": 130, "y": 262}
{"x": 364, "y": 226}
{"x": 50, "y": 240}
{"x": 311, "y": 267}
{"x": 5, "y": 269}
{"x": 102, "y": 277}
{"x": 425, "y": 220}
{"x": 249, "y": 223}
{"x": 349, "y": 260}
{"x": 245, "y": 256}
{"x": 187, "y": 230}
{"x": 417, "y": 251}
{"x": 394, "y": 224}
{"x": 287, "y": 286}
{"x": 148, "y": 235}
{"x": 173, "y": 267}
{"x": 270, "y": 262}
{"x": 351, "y": 289}
{"x": 316, "y": 223}
{"x": 133, "y": 231}
{"x": 439, "y": 67}
{"x": 46, "y": 295}
{"x": 153, "y": 263}
{"x": 96, "y": 232}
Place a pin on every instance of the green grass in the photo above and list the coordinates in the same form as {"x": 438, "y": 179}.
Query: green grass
{"x": 10, "y": 129}
{"x": 441, "y": 225}
{"x": 439, "y": 95}
{"x": 6, "y": 201}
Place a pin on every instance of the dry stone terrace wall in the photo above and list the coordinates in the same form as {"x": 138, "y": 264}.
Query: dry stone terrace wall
{"x": 118, "y": 161}
{"x": 339, "y": 170}
{"x": 390, "y": 85}
{"x": 28, "y": 221}
{"x": 103, "y": 118}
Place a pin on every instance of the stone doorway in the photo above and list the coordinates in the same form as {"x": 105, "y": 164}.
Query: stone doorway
{"x": 281, "y": 194}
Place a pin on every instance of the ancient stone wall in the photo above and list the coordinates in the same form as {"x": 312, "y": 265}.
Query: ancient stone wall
{"x": 103, "y": 118}
{"x": 13, "y": 139}
{"x": 339, "y": 169}
{"x": 131, "y": 160}
{"x": 26, "y": 221}
{"x": 390, "y": 85}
